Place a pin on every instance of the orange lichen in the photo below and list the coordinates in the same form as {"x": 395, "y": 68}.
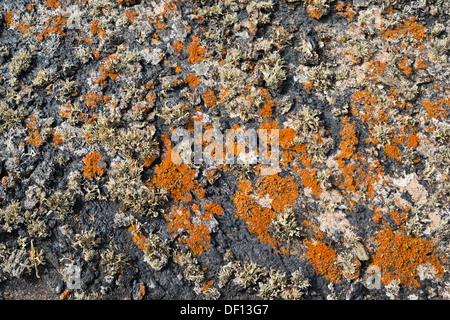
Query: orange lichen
{"x": 393, "y": 151}
{"x": 24, "y": 26}
{"x": 346, "y": 11}
{"x": 268, "y": 105}
{"x": 192, "y": 80}
{"x": 259, "y": 207}
{"x": 209, "y": 98}
{"x": 404, "y": 66}
{"x": 282, "y": 191}
{"x": 9, "y": 19}
{"x": 314, "y": 12}
{"x": 196, "y": 52}
{"x": 420, "y": 64}
{"x": 286, "y": 138}
{"x": 435, "y": 108}
{"x": 96, "y": 28}
{"x": 35, "y": 137}
{"x": 57, "y": 139}
{"x": 65, "y": 295}
{"x": 131, "y": 16}
{"x": 211, "y": 209}
{"x": 92, "y": 99}
{"x": 399, "y": 255}
{"x": 367, "y": 102}
{"x": 126, "y": 2}
{"x": 398, "y": 217}
{"x": 309, "y": 181}
{"x": 181, "y": 220}
{"x": 55, "y": 25}
{"x": 413, "y": 141}
{"x": 92, "y": 165}
{"x": 138, "y": 237}
{"x": 407, "y": 28}
{"x": 374, "y": 68}
{"x": 107, "y": 72}
{"x": 179, "y": 46}
{"x": 178, "y": 179}
{"x": 53, "y": 4}
{"x": 258, "y": 218}
{"x": 348, "y": 144}
{"x": 324, "y": 260}
{"x": 159, "y": 23}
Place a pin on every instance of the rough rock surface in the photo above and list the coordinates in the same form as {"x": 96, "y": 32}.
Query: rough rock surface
{"x": 93, "y": 207}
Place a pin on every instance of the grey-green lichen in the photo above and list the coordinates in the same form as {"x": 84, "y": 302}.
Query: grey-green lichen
{"x": 126, "y": 186}
{"x": 20, "y": 63}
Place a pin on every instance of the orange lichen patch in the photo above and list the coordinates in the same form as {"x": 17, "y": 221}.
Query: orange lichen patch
{"x": 97, "y": 54}
{"x": 180, "y": 221}
{"x": 286, "y": 138}
{"x": 107, "y": 72}
{"x": 207, "y": 285}
{"x": 258, "y": 218}
{"x": 178, "y": 179}
{"x": 159, "y": 23}
{"x": 314, "y": 12}
{"x": 348, "y": 144}
{"x": 24, "y": 27}
{"x": 131, "y": 16}
{"x": 9, "y": 19}
{"x": 55, "y": 25}
{"x": 86, "y": 39}
{"x": 209, "y": 97}
{"x": 211, "y": 209}
{"x": 259, "y": 207}
{"x": 374, "y": 68}
{"x": 196, "y": 52}
{"x": 399, "y": 255}
{"x": 367, "y": 102}
{"x": 407, "y": 28}
{"x": 141, "y": 292}
{"x": 392, "y": 150}
{"x": 324, "y": 260}
{"x": 192, "y": 80}
{"x": 398, "y": 217}
{"x": 420, "y": 64}
{"x": 92, "y": 165}
{"x": 57, "y": 139}
{"x": 177, "y": 68}
{"x": 378, "y": 215}
{"x": 9, "y": 181}
{"x": 269, "y": 104}
{"x": 96, "y": 28}
{"x": 282, "y": 191}
{"x": 53, "y": 4}
{"x": 346, "y": 11}
{"x": 413, "y": 141}
{"x": 404, "y": 66}
{"x": 126, "y": 2}
{"x": 308, "y": 85}
{"x": 286, "y": 158}
{"x": 138, "y": 237}
{"x": 179, "y": 46}
{"x": 35, "y": 137}
{"x": 435, "y": 108}
{"x": 65, "y": 295}
{"x": 309, "y": 181}
{"x": 92, "y": 99}
{"x": 30, "y": 7}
